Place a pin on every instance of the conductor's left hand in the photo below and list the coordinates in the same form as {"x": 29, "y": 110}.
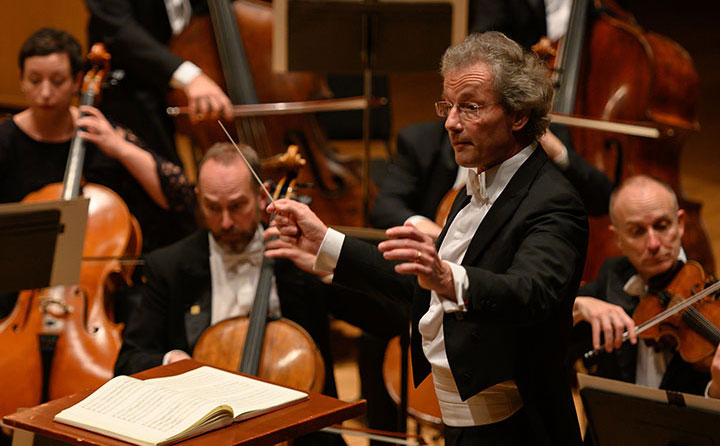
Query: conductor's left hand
{"x": 299, "y": 234}
{"x": 421, "y": 259}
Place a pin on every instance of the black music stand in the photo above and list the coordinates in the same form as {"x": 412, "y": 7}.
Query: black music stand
{"x": 364, "y": 37}
{"x": 623, "y": 413}
{"x": 41, "y": 243}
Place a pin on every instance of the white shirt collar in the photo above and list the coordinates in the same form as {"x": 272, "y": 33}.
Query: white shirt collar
{"x": 487, "y": 186}
{"x": 635, "y": 286}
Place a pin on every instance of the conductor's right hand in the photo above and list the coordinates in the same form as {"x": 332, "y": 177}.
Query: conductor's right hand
{"x": 299, "y": 234}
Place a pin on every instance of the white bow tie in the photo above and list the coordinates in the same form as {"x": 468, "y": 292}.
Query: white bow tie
{"x": 476, "y": 187}
{"x": 252, "y": 255}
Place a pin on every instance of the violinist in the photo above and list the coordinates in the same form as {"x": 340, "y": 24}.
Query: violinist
{"x": 648, "y": 227}
{"x": 504, "y": 271}
{"x": 34, "y": 144}
{"x": 136, "y": 33}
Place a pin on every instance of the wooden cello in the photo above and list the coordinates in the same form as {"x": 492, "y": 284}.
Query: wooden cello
{"x": 242, "y": 32}
{"x": 280, "y": 350}
{"x": 61, "y": 340}
{"x": 611, "y": 69}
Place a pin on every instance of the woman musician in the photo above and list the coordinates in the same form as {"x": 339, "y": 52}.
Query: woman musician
{"x": 34, "y": 146}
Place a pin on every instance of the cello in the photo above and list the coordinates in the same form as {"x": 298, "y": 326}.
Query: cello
{"x": 651, "y": 81}
{"x": 242, "y": 33}
{"x": 61, "y": 340}
{"x": 279, "y": 350}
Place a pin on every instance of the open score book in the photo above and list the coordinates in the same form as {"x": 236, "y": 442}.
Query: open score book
{"x": 160, "y": 411}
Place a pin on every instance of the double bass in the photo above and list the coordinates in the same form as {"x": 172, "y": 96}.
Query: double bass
{"x": 61, "y": 340}
{"x": 242, "y": 33}
{"x": 610, "y": 69}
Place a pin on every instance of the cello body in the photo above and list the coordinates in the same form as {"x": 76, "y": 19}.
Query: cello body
{"x": 71, "y": 324}
{"x": 289, "y": 355}
{"x": 337, "y": 195}
{"x": 628, "y": 74}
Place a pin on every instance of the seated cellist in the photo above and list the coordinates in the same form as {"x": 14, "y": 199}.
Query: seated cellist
{"x": 34, "y": 146}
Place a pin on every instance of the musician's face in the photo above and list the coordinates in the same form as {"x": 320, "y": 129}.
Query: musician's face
{"x": 488, "y": 138}
{"x": 230, "y": 202}
{"x": 648, "y": 227}
{"x": 48, "y": 83}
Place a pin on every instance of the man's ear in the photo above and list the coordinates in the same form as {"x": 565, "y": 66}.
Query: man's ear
{"x": 681, "y": 221}
{"x": 521, "y": 118}
{"x": 614, "y": 231}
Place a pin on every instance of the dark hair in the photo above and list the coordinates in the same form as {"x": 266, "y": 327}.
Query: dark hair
{"x": 49, "y": 41}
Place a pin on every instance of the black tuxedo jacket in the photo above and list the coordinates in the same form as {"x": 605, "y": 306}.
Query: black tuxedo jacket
{"x": 136, "y": 34}
{"x": 177, "y": 285}
{"x": 524, "y": 265}
{"x": 621, "y": 364}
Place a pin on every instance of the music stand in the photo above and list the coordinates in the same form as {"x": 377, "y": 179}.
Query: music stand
{"x": 342, "y": 37}
{"x": 624, "y": 413}
{"x": 42, "y": 243}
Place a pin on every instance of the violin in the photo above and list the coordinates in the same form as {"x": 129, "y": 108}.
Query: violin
{"x": 686, "y": 310}
{"x": 61, "y": 340}
{"x": 695, "y": 328}
{"x": 280, "y": 350}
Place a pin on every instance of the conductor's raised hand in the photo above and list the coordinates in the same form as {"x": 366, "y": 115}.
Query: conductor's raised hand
{"x": 420, "y": 258}
{"x": 299, "y": 233}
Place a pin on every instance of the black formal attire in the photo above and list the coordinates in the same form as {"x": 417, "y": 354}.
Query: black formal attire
{"x": 523, "y": 21}
{"x": 621, "y": 363}
{"x": 524, "y": 265}
{"x": 425, "y": 171}
{"x": 177, "y": 278}
{"x": 27, "y": 165}
{"x": 136, "y": 33}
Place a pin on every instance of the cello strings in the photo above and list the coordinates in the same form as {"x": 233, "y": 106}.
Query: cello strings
{"x": 247, "y": 162}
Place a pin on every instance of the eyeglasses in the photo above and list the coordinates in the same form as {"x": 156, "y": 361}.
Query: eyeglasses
{"x": 468, "y": 110}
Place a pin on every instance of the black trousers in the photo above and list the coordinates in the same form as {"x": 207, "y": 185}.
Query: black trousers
{"x": 514, "y": 431}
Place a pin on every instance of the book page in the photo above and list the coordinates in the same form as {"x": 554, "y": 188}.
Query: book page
{"x": 243, "y": 394}
{"x": 135, "y": 411}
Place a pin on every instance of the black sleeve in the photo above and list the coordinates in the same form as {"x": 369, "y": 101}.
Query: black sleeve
{"x": 146, "y": 336}
{"x": 592, "y": 184}
{"x": 132, "y": 46}
{"x": 401, "y": 190}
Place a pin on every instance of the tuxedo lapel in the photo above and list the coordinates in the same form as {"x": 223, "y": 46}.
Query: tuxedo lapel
{"x": 461, "y": 200}
{"x": 195, "y": 275}
{"x": 506, "y": 205}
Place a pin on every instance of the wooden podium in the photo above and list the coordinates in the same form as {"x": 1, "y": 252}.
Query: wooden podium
{"x": 317, "y": 412}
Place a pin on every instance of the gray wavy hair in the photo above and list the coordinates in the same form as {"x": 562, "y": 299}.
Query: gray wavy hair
{"x": 521, "y": 79}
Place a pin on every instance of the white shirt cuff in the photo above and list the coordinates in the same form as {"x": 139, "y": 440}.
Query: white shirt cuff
{"x": 416, "y": 218}
{"x": 462, "y": 284}
{"x": 562, "y": 160}
{"x": 184, "y": 74}
{"x": 166, "y": 358}
{"x": 707, "y": 389}
{"x": 329, "y": 252}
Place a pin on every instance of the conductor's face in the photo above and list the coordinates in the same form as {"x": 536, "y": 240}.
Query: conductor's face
{"x": 480, "y": 129}
{"x": 230, "y": 203}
